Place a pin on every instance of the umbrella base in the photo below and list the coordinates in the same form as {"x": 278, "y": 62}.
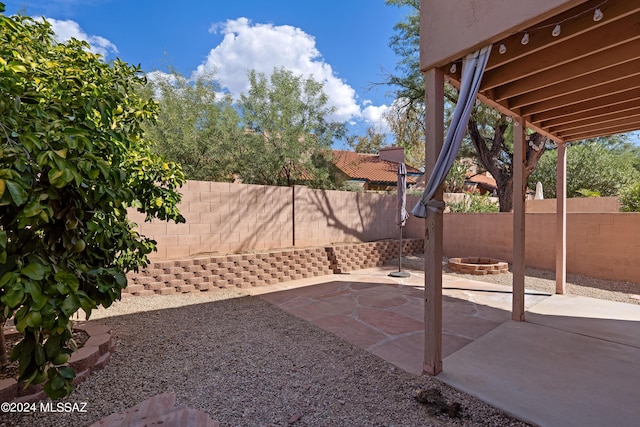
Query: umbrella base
{"x": 399, "y": 274}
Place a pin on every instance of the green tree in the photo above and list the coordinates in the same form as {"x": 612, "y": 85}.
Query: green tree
{"x": 407, "y": 126}
{"x": 454, "y": 182}
{"x": 194, "y": 127}
{"x": 405, "y": 43}
{"x": 490, "y": 132}
{"x": 597, "y": 166}
{"x": 370, "y": 143}
{"x": 73, "y": 158}
{"x": 406, "y": 115}
{"x": 473, "y": 203}
{"x": 288, "y": 132}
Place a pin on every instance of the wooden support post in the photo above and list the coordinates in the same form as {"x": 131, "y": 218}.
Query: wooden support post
{"x": 561, "y": 220}
{"x": 434, "y": 86}
{"x": 519, "y": 151}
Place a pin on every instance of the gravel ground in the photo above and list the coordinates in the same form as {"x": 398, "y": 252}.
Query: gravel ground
{"x": 248, "y": 363}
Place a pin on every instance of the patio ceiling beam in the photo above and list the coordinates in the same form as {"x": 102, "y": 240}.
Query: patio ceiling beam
{"x": 603, "y": 132}
{"x": 569, "y": 50}
{"x": 584, "y": 85}
{"x": 504, "y": 110}
{"x": 609, "y": 95}
{"x": 626, "y": 124}
{"x": 581, "y": 66}
{"x": 632, "y": 109}
{"x": 594, "y": 97}
{"x": 540, "y": 34}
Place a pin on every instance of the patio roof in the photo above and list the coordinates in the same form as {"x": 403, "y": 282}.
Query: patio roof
{"x": 582, "y": 83}
{"x": 576, "y": 77}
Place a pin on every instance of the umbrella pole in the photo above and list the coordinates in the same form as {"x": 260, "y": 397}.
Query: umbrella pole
{"x": 400, "y": 257}
{"x": 399, "y": 273}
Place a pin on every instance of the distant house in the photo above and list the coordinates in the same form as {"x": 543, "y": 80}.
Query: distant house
{"x": 374, "y": 171}
{"x": 482, "y": 183}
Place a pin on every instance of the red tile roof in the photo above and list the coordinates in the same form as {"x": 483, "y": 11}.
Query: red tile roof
{"x": 369, "y": 167}
{"x": 482, "y": 179}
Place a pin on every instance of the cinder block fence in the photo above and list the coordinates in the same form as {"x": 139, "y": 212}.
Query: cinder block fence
{"x": 224, "y": 218}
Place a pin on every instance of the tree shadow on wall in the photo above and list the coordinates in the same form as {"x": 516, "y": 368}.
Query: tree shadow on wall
{"x": 350, "y": 215}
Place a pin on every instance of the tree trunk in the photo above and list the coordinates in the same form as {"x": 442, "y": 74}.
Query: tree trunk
{"x": 505, "y": 194}
{"x": 498, "y": 160}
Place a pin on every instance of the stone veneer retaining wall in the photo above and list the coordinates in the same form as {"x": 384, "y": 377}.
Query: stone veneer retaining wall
{"x": 263, "y": 268}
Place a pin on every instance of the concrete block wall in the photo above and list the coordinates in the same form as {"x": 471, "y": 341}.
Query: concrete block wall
{"x": 223, "y": 218}
{"x": 227, "y": 218}
{"x": 351, "y": 257}
{"x": 605, "y": 245}
{"x": 575, "y": 205}
{"x": 261, "y": 268}
{"x": 602, "y": 245}
{"x": 325, "y": 216}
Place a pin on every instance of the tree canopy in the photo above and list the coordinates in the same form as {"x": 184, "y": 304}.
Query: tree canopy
{"x": 196, "y": 127}
{"x": 287, "y": 131}
{"x": 599, "y": 166}
{"x": 370, "y": 143}
{"x": 73, "y": 158}
{"x": 407, "y": 126}
{"x": 278, "y": 133}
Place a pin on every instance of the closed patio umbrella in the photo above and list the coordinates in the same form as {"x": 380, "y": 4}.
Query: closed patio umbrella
{"x": 401, "y": 214}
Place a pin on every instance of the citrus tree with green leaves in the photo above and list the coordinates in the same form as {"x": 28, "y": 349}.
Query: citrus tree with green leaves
{"x": 73, "y": 159}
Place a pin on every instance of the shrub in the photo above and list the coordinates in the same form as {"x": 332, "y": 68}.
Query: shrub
{"x": 630, "y": 198}
{"x": 474, "y": 203}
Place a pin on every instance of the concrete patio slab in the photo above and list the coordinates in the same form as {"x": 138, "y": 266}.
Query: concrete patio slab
{"x": 606, "y": 320}
{"x": 550, "y": 377}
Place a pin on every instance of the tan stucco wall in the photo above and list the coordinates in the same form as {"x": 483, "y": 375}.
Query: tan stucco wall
{"x": 604, "y": 245}
{"x": 449, "y": 29}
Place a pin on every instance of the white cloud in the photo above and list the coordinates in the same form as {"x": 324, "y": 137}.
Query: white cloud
{"x": 263, "y": 47}
{"x": 161, "y": 77}
{"x": 66, "y": 30}
{"x": 375, "y": 116}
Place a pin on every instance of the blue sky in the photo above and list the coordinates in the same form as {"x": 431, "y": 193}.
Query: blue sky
{"x": 344, "y": 43}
